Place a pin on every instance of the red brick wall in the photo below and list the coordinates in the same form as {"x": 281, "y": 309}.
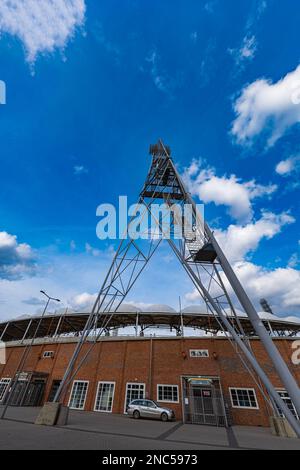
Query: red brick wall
{"x": 154, "y": 361}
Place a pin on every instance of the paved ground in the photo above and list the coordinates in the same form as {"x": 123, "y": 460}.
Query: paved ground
{"x": 102, "y": 431}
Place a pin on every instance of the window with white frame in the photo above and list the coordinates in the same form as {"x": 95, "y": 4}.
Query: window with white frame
{"x": 105, "y": 396}
{"x": 287, "y": 400}
{"x": 4, "y": 384}
{"x": 199, "y": 353}
{"x": 134, "y": 391}
{"x": 167, "y": 393}
{"x": 48, "y": 354}
{"x": 243, "y": 398}
{"x": 78, "y": 394}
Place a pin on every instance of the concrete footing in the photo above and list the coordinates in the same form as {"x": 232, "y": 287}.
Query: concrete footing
{"x": 280, "y": 427}
{"x": 53, "y": 414}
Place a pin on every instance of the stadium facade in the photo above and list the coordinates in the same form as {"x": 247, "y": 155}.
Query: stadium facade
{"x": 184, "y": 361}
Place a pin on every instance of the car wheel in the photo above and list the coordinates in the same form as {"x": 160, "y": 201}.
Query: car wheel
{"x": 164, "y": 417}
{"x": 136, "y": 414}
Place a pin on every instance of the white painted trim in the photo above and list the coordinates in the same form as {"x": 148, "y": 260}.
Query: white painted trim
{"x": 133, "y": 383}
{"x": 283, "y": 390}
{"x": 244, "y": 407}
{"x": 113, "y": 396}
{"x": 167, "y": 385}
{"x": 87, "y": 389}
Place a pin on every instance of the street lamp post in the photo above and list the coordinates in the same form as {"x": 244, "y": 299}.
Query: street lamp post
{"x": 47, "y": 303}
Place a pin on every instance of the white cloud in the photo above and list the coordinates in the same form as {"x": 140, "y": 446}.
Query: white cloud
{"x": 79, "y": 170}
{"x": 72, "y": 245}
{"x": 227, "y": 191}
{"x": 84, "y": 301}
{"x": 267, "y": 108}
{"x": 194, "y": 36}
{"x": 280, "y": 286}
{"x": 161, "y": 79}
{"x": 34, "y": 301}
{"x": 16, "y": 259}
{"x": 91, "y": 250}
{"x": 248, "y": 48}
{"x": 288, "y": 166}
{"x": 294, "y": 260}
{"x": 210, "y": 6}
{"x": 239, "y": 241}
{"x": 42, "y": 25}
{"x": 258, "y": 9}
{"x": 246, "y": 51}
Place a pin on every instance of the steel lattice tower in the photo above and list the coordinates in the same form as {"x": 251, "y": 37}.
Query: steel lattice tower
{"x": 206, "y": 265}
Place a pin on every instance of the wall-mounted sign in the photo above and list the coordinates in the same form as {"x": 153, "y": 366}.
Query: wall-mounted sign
{"x": 199, "y": 381}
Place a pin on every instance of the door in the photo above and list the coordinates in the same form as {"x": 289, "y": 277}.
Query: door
{"x": 134, "y": 391}
{"x": 203, "y": 411}
{"x": 34, "y": 393}
{"x": 203, "y": 404}
{"x": 16, "y": 396}
{"x": 54, "y": 388}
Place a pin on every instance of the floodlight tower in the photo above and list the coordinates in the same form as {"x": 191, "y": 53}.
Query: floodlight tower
{"x": 204, "y": 262}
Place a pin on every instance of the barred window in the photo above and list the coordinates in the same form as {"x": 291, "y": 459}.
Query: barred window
{"x": 78, "y": 395}
{"x": 167, "y": 393}
{"x": 4, "y": 384}
{"x": 105, "y": 396}
{"x": 48, "y": 354}
{"x": 243, "y": 398}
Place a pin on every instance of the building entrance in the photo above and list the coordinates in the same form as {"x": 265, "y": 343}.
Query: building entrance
{"x": 203, "y": 401}
{"x": 29, "y": 390}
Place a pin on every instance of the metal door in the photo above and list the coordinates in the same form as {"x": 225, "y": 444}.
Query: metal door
{"x": 204, "y": 405}
{"x": 16, "y": 397}
{"x": 34, "y": 393}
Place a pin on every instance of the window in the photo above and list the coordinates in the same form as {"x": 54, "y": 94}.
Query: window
{"x": 4, "y": 384}
{"x": 167, "y": 393}
{"x": 199, "y": 353}
{"x": 286, "y": 398}
{"x": 149, "y": 404}
{"x": 105, "y": 396}
{"x": 48, "y": 354}
{"x": 134, "y": 391}
{"x": 78, "y": 395}
{"x": 243, "y": 398}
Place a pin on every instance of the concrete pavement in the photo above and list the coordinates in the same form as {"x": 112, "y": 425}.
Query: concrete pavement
{"x": 101, "y": 431}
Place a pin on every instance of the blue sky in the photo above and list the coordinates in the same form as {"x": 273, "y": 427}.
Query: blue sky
{"x": 91, "y": 84}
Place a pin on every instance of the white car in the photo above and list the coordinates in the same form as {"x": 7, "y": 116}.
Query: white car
{"x": 149, "y": 409}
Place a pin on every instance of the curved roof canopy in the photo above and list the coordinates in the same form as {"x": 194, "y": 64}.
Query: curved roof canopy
{"x": 54, "y": 325}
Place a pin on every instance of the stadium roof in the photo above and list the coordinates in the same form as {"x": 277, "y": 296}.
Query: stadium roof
{"x": 53, "y": 325}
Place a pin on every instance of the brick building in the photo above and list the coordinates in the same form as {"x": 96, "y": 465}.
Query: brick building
{"x": 200, "y": 377}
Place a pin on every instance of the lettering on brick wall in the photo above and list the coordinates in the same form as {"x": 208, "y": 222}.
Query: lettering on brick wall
{"x": 296, "y": 353}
